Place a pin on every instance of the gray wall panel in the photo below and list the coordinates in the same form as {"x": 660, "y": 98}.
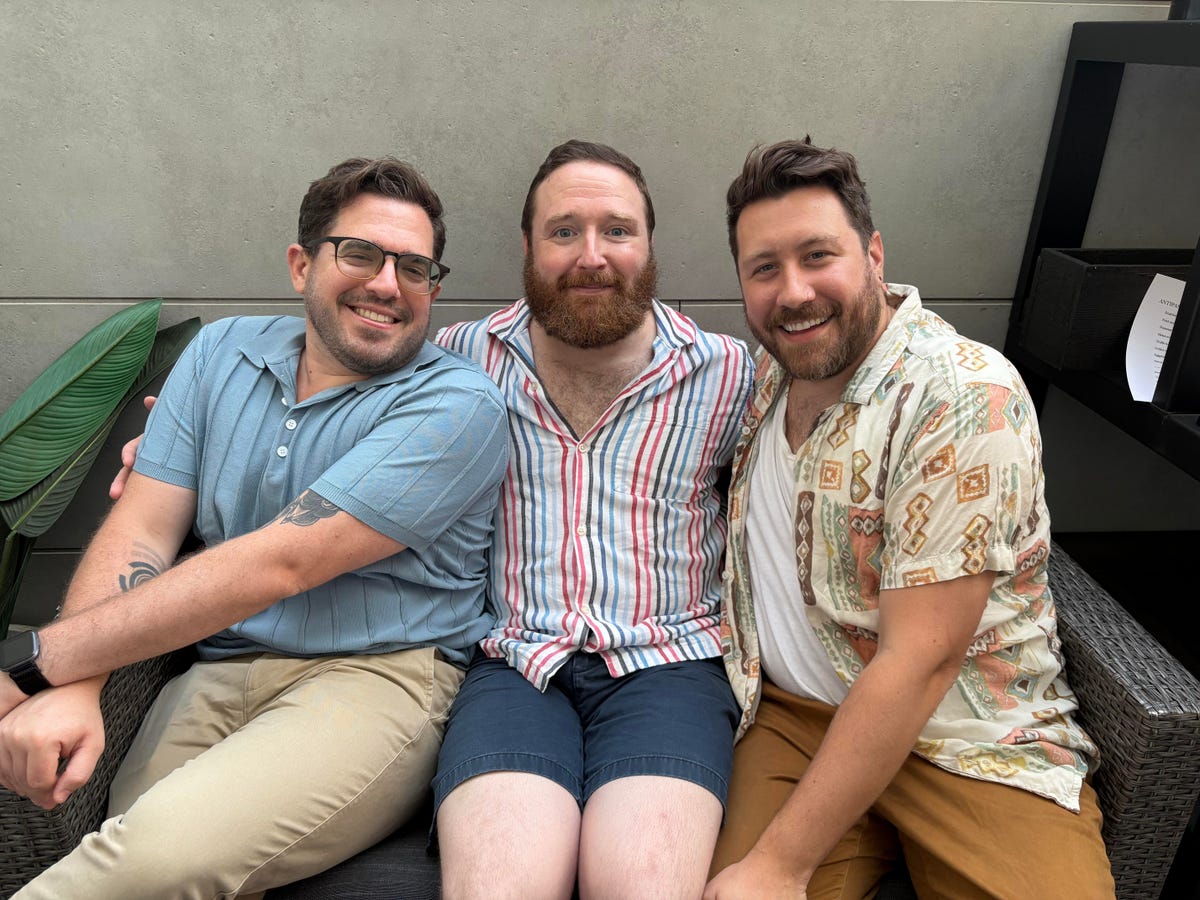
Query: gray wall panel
{"x": 154, "y": 148}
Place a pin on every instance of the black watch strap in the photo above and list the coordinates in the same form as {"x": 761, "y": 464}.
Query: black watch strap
{"x": 19, "y": 658}
{"x": 28, "y": 677}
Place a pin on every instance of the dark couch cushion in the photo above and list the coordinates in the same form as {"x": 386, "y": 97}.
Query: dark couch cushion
{"x": 397, "y": 868}
{"x": 400, "y": 868}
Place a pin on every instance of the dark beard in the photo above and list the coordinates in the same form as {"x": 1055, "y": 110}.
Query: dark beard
{"x": 370, "y": 357}
{"x": 856, "y": 334}
{"x": 587, "y": 322}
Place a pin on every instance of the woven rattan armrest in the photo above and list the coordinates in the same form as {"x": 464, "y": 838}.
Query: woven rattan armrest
{"x": 1143, "y": 708}
{"x": 33, "y": 838}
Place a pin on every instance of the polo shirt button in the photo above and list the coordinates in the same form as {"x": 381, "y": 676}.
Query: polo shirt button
{"x": 290, "y": 424}
{"x": 281, "y": 452}
{"x": 283, "y": 400}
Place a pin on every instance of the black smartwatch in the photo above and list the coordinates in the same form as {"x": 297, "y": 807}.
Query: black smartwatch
{"x": 18, "y": 657}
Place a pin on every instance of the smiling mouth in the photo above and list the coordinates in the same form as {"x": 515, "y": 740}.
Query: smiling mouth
{"x": 804, "y": 324}
{"x": 371, "y": 316}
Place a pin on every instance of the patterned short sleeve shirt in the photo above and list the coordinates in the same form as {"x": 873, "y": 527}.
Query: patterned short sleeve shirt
{"x": 927, "y": 469}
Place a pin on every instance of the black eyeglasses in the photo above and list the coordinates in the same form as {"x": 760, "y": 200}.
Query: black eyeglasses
{"x": 363, "y": 260}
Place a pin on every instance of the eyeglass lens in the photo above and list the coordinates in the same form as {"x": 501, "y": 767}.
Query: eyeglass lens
{"x": 361, "y": 259}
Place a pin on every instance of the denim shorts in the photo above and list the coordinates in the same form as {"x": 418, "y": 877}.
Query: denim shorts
{"x": 589, "y": 728}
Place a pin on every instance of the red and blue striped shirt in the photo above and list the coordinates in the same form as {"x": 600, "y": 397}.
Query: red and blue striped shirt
{"x": 612, "y": 541}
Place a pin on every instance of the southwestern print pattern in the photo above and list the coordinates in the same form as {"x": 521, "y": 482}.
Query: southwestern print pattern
{"x": 928, "y": 469}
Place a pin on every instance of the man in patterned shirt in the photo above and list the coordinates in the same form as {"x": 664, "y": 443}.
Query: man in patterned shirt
{"x": 890, "y": 629}
{"x": 592, "y": 738}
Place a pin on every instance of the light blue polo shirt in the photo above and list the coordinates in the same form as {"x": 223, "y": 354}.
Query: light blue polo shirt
{"x": 416, "y": 454}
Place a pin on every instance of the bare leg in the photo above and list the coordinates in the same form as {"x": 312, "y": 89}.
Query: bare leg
{"x": 647, "y": 836}
{"x": 508, "y": 835}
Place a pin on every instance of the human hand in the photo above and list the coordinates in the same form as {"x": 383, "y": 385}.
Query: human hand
{"x": 759, "y": 874}
{"x": 54, "y": 725}
{"x": 128, "y": 455}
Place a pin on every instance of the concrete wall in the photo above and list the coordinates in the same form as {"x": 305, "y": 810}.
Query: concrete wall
{"x": 161, "y": 149}
{"x": 155, "y": 148}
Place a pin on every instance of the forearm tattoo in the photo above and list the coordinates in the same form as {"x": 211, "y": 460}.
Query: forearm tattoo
{"x": 307, "y": 509}
{"x": 145, "y": 566}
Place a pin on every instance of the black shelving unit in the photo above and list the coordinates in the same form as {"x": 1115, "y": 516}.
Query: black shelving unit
{"x": 1095, "y": 67}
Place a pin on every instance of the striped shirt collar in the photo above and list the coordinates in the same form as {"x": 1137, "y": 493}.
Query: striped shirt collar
{"x": 672, "y": 330}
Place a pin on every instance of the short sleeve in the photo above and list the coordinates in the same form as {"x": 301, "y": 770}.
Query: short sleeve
{"x": 169, "y": 450}
{"x": 968, "y": 481}
{"x": 440, "y": 451}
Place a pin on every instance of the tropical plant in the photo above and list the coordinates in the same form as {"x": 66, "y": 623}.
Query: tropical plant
{"x": 52, "y": 433}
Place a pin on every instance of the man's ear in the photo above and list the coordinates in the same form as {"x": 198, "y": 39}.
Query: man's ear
{"x": 875, "y": 254}
{"x": 299, "y": 262}
{"x": 524, "y": 244}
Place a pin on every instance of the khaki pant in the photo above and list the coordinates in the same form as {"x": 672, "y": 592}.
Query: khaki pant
{"x": 258, "y": 771}
{"x": 961, "y": 838}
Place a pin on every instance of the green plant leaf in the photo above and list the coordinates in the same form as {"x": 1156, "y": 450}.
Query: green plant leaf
{"x": 34, "y": 511}
{"x": 15, "y": 554}
{"x": 76, "y": 393}
{"x": 31, "y": 513}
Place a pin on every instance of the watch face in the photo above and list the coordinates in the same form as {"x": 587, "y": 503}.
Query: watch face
{"x": 19, "y": 648}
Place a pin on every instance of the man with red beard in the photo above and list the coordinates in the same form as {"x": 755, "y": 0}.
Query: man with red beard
{"x": 592, "y": 739}
{"x": 343, "y": 473}
{"x": 892, "y": 637}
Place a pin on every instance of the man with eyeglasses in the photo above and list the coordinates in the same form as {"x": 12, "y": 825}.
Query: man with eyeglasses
{"x": 591, "y": 742}
{"x": 343, "y": 473}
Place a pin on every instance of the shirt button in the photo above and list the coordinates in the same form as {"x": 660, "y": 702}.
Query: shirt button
{"x": 283, "y": 400}
{"x": 281, "y": 452}
{"x": 290, "y": 424}
{"x": 584, "y": 448}
{"x": 581, "y": 530}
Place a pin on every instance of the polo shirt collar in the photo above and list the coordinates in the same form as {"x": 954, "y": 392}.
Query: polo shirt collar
{"x": 280, "y": 355}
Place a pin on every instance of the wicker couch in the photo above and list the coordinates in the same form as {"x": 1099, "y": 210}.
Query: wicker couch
{"x": 1139, "y": 704}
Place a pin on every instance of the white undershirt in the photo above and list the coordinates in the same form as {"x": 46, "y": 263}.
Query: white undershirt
{"x": 792, "y": 657}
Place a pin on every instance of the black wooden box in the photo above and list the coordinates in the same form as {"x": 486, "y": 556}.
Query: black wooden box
{"x": 1083, "y": 302}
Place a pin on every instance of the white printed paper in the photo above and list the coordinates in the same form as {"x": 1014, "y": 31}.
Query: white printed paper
{"x": 1151, "y": 334}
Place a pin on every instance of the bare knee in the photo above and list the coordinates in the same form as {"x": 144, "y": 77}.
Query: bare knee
{"x": 508, "y": 835}
{"x": 647, "y": 836}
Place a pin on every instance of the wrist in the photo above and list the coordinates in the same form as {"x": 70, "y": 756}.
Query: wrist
{"x": 19, "y": 655}
{"x": 787, "y": 858}
{"x": 11, "y": 696}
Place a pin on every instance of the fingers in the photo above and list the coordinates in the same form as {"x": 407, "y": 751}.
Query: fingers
{"x": 41, "y": 774}
{"x": 128, "y": 456}
{"x": 53, "y": 726}
{"x": 79, "y": 768}
{"x": 33, "y": 770}
{"x": 118, "y": 486}
{"x": 129, "y": 452}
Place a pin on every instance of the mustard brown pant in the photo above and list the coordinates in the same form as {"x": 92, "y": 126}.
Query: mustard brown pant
{"x": 260, "y": 770}
{"x": 960, "y": 837}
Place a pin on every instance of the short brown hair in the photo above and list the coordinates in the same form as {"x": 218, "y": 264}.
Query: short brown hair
{"x": 586, "y": 151}
{"x": 776, "y": 170}
{"x": 386, "y": 176}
